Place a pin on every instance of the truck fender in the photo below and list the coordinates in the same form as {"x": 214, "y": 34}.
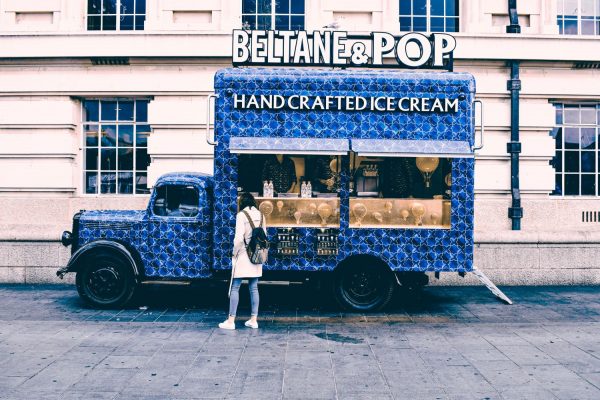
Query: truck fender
{"x": 74, "y": 263}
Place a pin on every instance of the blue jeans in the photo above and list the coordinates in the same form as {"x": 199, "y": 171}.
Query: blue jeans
{"x": 234, "y": 297}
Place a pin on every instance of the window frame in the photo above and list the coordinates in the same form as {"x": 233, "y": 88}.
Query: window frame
{"x": 561, "y": 18}
{"x": 273, "y": 15}
{"x": 562, "y": 125}
{"x": 428, "y": 17}
{"x": 117, "y": 17}
{"x": 83, "y": 146}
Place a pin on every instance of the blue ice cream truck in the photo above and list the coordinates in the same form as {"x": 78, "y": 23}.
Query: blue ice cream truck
{"x": 365, "y": 178}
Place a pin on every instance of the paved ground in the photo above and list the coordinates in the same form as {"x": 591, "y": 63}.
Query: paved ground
{"x": 455, "y": 343}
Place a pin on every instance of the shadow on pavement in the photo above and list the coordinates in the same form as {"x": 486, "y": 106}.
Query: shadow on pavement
{"x": 297, "y": 297}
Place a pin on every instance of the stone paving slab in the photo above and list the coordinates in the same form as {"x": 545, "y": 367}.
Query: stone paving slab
{"x": 447, "y": 343}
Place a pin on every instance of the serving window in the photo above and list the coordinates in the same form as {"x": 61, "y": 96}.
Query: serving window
{"x": 392, "y": 183}
{"x": 293, "y": 190}
{"x": 400, "y": 192}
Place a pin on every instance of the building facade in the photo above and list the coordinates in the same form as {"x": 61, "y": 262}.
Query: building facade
{"x": 98, "y": 98}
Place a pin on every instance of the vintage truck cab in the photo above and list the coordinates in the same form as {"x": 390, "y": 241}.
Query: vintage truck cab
{"x": 113, "y": 251}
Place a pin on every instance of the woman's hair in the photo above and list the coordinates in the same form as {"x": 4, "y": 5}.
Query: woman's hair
{"x": 247, "y": 200}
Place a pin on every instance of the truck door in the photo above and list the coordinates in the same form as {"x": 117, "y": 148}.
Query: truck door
{"x": 179, "y": 232}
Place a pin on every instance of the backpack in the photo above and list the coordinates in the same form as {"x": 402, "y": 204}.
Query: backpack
{"x": 258, "y": 246}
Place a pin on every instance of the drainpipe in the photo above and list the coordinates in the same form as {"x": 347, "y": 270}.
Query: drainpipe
{"x": 515, "y": 211}
{"x": 514, "y": 26}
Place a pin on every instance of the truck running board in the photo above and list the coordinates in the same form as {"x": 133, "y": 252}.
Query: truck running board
{"x": 490, "y": 285}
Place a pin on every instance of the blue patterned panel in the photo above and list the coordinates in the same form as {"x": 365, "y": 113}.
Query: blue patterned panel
{"x": 412, "y": 148}
{"x": 276, "y": 145}
{"x": 402, "y": 249}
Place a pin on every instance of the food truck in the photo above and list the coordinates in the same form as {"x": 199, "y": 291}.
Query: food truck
{"x": 365, "y": 178}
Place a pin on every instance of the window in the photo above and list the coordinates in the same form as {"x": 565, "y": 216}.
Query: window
{"x": 115, "y": 149}
{"x": 116, "y": 15}
{"x": 578, "y": 17}
{"x": 576, "y": 158}
{"x": 176, "y": 201}
{"x": 429, "y": 15}
{"x": 400, "y": 192}
{"x": 290, "y": 204}
{"x": 273, "y": 14}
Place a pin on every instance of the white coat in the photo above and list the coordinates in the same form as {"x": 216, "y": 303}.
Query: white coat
{"x": 241, "y": 265}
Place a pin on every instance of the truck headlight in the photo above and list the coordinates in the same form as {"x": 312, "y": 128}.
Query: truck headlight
{"x": 67, "y": 238}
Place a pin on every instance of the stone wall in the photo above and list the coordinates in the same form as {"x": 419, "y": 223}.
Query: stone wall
{"x": 505, "y": 263}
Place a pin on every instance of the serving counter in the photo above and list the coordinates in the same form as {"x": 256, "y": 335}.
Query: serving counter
{"x": 314, "y": 212}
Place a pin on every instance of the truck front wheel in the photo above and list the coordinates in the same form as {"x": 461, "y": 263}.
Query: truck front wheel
{"x": 363, "y": 284}
{"x": 105, "y": 281}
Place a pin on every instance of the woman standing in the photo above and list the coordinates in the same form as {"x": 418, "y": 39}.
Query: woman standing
{"x": 242, "y": 267}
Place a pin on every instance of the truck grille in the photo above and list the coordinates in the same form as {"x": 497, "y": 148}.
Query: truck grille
{"x": 113, "y": 226}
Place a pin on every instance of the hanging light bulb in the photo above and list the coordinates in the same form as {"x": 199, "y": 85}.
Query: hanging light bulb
{"x": 266, "y": 207}
{"x": 324, "y": 210}
{"x": 378, "y": 217}
{"x": 298, "y": 217}
{"x": 404, "y": 214}
{"x": 388, "y": 207}
{"x": 418, "y": 210}
{"x": 427, "y": 165}
{"x": 360, "y": 211}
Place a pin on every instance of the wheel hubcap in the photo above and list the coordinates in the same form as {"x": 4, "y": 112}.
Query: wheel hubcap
{"x": 105, "y": 283}
{"x": 362, "y": 287}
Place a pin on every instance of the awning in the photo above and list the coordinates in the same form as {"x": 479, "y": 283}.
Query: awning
{"x": 277, "y": 145}
{"x": 411, "y": 148}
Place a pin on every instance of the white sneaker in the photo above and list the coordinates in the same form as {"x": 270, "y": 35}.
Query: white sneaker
{"x": 250, "y": 324}
{"x": 227, "y": 325}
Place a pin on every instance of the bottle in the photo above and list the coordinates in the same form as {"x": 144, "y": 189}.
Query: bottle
{"x": 265, "y": 189}
{"x": 303, "y": 189}
{"x": 271, "y": 190}
{"x": 309, "y": 189}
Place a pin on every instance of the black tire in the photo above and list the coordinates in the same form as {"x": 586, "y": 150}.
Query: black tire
{"x": 363, "y": 284}
{"x": 105, "y": 280}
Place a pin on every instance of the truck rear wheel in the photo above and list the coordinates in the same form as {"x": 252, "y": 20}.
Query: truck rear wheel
{"x": 363, "y": 284}
{"x": 105, "y": 281}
